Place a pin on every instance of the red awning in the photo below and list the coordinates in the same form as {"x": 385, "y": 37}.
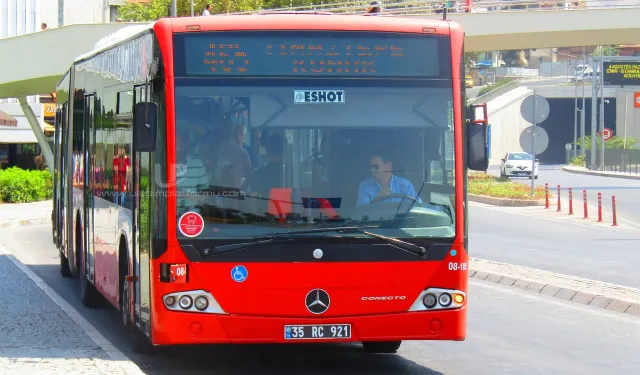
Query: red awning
{"x": 6, "y": 120}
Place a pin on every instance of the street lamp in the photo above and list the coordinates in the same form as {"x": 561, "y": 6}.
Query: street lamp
{"x": 575, "y": 107}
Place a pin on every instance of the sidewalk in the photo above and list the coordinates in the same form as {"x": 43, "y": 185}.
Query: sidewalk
{"x": 41, "y": 332}
{"x": 25, "y": 213}
{"x": 582, "y": 170}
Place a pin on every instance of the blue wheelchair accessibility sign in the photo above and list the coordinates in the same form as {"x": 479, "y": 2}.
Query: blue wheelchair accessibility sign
{"x": 239, "y": 273}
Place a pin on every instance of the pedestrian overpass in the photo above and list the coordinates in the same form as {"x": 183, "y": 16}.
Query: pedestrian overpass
{"x": 33, "y": 63}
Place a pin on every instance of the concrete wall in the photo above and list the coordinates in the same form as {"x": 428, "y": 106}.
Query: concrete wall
{"x": 629, "y": 124}
{"x": 507, "y": 123}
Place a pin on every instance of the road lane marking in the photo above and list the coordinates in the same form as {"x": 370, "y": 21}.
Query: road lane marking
{"x": 125, "y": 362}
{"x": 555, "y": 301}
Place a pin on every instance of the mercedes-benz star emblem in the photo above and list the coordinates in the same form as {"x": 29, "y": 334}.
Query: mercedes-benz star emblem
{"x": 317, "y": 301}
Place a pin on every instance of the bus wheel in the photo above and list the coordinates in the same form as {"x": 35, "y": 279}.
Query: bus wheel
{"x": 125, "y": 286}
{"x": 388, "y": 347}
{"x": 64, "y": 265}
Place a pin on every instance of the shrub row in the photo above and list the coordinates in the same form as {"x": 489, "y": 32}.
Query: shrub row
{"x": 21, "y": 186}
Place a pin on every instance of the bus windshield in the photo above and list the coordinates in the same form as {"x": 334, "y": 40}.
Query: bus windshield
{"x": 267, "y": 154}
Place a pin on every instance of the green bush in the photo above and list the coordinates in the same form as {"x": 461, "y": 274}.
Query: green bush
{"x": 616, "y": 143}
{"x": 501, "y": 187}
{"x": 21, "y": 186}
{"x": 578, "y": 161}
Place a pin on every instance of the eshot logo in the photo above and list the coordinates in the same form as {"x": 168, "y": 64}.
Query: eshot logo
{"x": 318, "y": 96}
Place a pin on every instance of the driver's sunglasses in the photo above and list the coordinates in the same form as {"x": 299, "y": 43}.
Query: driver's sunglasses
{"x": 376, "y": 167}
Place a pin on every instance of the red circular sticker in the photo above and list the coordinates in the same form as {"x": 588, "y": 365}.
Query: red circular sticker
{"x": 191, "y": 224}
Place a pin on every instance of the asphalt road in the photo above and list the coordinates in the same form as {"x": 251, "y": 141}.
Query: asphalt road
{"x": 510, "y": 332}
{"x": 547, "y": 241}
{"x": 627, "y": 192}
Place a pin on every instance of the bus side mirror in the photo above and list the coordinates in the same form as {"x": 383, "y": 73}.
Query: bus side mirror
{"x": 145, "y": 124}
{"x": 477, "y": 147}
{"x": 477, "y": 138}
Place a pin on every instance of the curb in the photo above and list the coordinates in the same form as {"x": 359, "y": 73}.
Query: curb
{"x": 601, "y": 174}
{"x": 505, "y": 202}
{"x": 25, "y": 222}
{"x": 594, "y": 293}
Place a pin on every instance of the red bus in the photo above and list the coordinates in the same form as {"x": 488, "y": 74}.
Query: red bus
{"x": 270, "y": 178}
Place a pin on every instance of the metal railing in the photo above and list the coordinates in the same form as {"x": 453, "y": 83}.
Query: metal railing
{"x": 497, "y": 92}
{"x": 618, "y": 160}
{"x": 425, "y": 7}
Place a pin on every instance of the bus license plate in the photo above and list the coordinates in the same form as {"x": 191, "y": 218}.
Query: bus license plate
{"x": 317, "y": 331}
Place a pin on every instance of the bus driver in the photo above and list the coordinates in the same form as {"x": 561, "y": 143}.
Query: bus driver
{"x": 383, "y": 183}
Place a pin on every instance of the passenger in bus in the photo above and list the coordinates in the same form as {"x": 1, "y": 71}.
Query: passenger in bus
{"x": 190, "y": 173}
{"x": 233, "y": 166}
{"x": 269, "y": 176}
{"x": 383, "y": 182}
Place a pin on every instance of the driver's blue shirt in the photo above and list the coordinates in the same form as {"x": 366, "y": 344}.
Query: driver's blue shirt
{"x": 370, "y": 188}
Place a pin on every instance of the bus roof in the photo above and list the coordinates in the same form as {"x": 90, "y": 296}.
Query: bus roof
{"x": 276, "y": 21}
{"x": 288, "y": 21}
{"x": 113, "y": 39}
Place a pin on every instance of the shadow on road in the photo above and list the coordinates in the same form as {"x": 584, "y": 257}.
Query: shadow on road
{"x": 304, "y": 359}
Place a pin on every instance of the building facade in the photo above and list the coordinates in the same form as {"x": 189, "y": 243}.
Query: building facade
{"x": 18, "y": 144}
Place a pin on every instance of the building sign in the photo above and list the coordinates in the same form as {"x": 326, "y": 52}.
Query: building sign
{"x": 49, "y": 110}
{"x": 621, "y": 73}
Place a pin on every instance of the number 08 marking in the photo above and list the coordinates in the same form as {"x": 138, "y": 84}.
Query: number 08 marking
{"x": 453, "y": 266}
{"x": 181, "y": 271}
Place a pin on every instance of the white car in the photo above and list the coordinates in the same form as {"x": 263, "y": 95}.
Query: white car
{"x": 518, "y": 164}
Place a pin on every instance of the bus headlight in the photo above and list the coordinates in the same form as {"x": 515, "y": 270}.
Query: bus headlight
{"x": 433, "y": 299}
{"x": 429, "y": 300}
{"x": 192, "y": 301}
{"x": 201, "y": 303}
{"x": 185, "y": 302}
{"x": 445, "y": 299}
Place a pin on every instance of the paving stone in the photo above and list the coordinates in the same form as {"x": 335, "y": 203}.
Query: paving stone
{"x": 493, "y": 278}
{"x": 600, "y": 302}
{"x": 634, "y": 309}
{"x": 523, "y": 284}
{"x": 480, "y": 275}
{"x": 618, "y": 306}
{"x": 535, "y": 287}
{"x": 583, "y": 298}
{"x": 550, "y": 290}
{"x": 42, "y": 338}
{"x": 507, "y": 281}
{"x": 565, "y": 294}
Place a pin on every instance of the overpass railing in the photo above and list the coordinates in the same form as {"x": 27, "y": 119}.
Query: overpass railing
{"x": 425, "y": 7}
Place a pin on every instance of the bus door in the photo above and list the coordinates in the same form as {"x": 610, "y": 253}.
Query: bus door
{"x": 143, "y": 205}
{"x": 89, "y": 178}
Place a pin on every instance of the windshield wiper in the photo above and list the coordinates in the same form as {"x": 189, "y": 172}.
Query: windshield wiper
{"x": 407, "y": 246}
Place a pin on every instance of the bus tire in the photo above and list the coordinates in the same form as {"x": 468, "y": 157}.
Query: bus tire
{"x": 124, "y": 289}
{"x": 382, "y": 347}
{"x": 65, "y": 271}
{"x": 89, "y": 295}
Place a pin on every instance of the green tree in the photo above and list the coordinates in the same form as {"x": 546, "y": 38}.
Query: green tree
{"x": 275, "y": 4}
{"x": 134, "y": 11}
{"x": 606, "y": 51}
{"x": 514, "y": 58}
{"x": 471, "y": 58}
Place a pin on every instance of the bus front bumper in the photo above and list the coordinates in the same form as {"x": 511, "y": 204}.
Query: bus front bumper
{"x": 179, "y": 328}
